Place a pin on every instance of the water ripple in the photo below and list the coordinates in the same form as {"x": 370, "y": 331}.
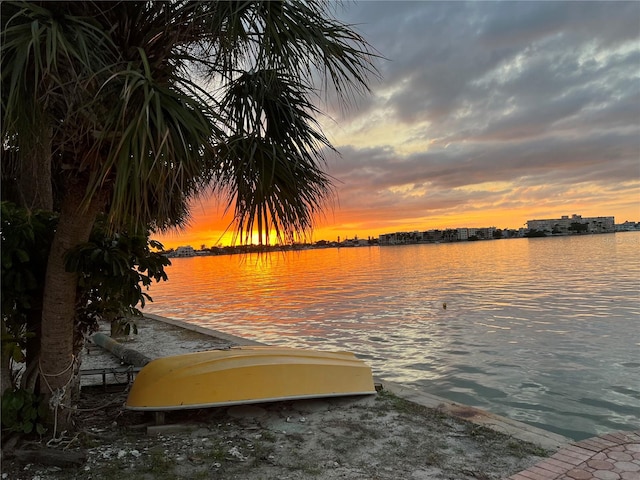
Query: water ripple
{"x": 545, "y": 331}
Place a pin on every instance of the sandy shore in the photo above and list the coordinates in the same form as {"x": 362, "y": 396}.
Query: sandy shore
{"x": 383, "y": 436}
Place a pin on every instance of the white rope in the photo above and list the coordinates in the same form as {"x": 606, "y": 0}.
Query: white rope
{"x": 73, "y": 361}
{"x": 57, "y": 396}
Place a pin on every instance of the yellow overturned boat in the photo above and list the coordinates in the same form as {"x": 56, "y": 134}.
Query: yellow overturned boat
{"x": 247, "y": 375}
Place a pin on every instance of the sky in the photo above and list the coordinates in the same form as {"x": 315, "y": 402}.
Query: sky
{"x": 485, "y": 114}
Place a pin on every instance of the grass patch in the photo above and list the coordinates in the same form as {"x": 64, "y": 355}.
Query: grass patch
{"x": 524, "y": 449}
{"x": 159, "y": 463}
{"x": 310, "y": 469}
{"x": 261, "y": 452}
{"x": 111, "y": 471}
{"x": 201, "y": 475}
{"x": 267, "y": 436}
{"x": 407, "y": 408}
{"x": 217, "y": 451}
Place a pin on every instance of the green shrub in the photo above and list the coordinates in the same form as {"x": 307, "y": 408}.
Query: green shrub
{"x": 23, "y": 411}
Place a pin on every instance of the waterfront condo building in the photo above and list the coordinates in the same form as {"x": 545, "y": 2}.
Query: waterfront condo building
{"x": 186, "y": 251}
{"x": 574, "y": 224}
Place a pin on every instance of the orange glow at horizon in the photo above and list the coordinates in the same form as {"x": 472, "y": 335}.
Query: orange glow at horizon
{"x": 210, "y": 227}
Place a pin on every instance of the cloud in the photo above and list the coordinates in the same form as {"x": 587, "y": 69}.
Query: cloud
{"x": 442, "y": 54}
{"x": 524, "y": 94}
{"x": 489, "y": 112}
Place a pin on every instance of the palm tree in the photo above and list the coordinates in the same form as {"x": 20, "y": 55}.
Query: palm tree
{"x": 133, "y": 108}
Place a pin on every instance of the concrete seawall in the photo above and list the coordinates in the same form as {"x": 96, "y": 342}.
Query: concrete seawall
{"x": 518, "y": 430}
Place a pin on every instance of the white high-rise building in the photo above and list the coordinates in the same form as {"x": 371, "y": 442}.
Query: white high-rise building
{"x": 574, "y": 224}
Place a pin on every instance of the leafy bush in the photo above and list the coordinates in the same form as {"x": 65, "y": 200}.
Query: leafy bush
{"x": 115, "y": 270}
{"x": 23, "y": 411}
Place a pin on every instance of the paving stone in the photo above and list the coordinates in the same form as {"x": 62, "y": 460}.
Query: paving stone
{"x": 567, "y": 458}
{"x": 627, "y": 467}
{"x": 578, "y": 451}
{"x": 564, "y": 465}
{"x": 606, "y": 475}
{"x": 591, "y": 445}
{"x": 600, "y": 464}
{"x": 620, "y": 456}
{"x": 552, "y": 467}
{"x": 630, "y": 476}
{"x": 579, "y": 474}
{"x": 529, "y": 475}
{"x": 602, "y": 443}
{"x": 612, "y": 457}
{"x": 542, "y": 472}
{"x": 619, "y": 437}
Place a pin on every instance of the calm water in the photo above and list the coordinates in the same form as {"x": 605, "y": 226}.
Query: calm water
{"x": 545, "y": 331}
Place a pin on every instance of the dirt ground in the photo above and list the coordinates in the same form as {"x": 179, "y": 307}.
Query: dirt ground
{"x": 371, "y": 437}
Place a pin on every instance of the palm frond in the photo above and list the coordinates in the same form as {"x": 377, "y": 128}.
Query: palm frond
{"x": 156, "y": 141}
{"x": 130, "y": 118}
{"x": 303, "y": 39}
{"x": 270, "y": 167}
{"x": 268, "y": 191}
{"x": 45, "y": 59}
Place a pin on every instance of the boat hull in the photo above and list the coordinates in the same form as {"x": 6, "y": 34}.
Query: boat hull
{"x": 247, "y": 375}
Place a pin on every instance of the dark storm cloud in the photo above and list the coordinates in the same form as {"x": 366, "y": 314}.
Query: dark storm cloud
{"x": 534, "y": 93}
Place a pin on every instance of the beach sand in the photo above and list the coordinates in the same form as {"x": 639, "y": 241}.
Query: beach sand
{"x": 382, "y": 436}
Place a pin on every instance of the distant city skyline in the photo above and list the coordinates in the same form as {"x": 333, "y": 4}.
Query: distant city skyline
{"x": 486, "y": 114}
{"x": 181, "y": 241}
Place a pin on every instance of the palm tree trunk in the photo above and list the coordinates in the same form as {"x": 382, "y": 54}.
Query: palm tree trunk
{"x": 34, "y": 173}
{"x": 57, "y": 361}
{"x": 34, "y": 180}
